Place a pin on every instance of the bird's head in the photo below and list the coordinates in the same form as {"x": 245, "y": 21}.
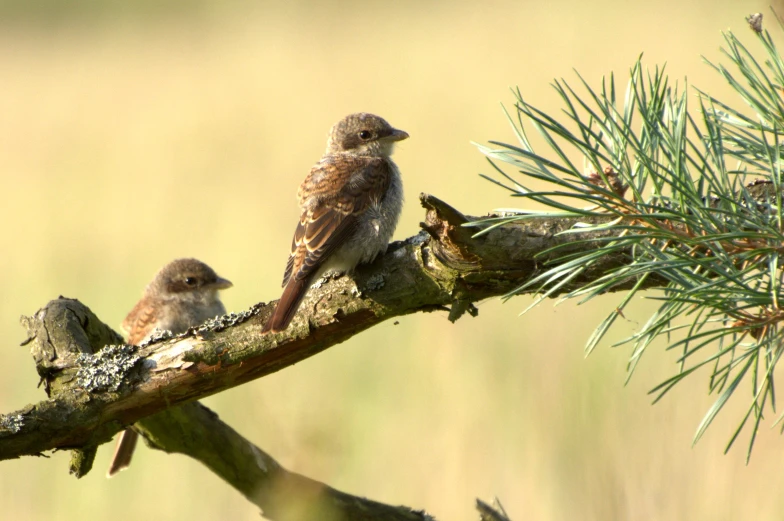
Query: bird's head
{"x": 364, "y": 134}
{"x": 189, "y": 279}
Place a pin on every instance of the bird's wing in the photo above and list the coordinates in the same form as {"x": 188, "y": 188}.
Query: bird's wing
{"x": 336, "y": 193}
{"x": 140, "y": 322}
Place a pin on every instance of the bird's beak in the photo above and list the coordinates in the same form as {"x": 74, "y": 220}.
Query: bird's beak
{"x": 221, "y": 283}
{"x": 397, "y": 135}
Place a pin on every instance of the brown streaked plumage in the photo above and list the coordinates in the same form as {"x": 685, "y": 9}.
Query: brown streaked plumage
{"x": 350, "y": 204}
{"x": 182, "y": 295}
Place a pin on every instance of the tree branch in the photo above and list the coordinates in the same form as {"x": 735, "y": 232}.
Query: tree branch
{"x": 93, "y": 396}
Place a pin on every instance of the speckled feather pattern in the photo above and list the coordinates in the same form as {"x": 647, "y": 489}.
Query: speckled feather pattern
{"x": 173, "y": 315}
{"x": 349, "y": 224}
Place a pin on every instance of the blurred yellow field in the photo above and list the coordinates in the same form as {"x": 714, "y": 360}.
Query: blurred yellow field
{"x": 133, "y": 136}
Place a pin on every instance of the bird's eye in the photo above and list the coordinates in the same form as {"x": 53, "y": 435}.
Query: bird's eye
{"x": 190, "y": 281}
{"x": 364, "y": 135}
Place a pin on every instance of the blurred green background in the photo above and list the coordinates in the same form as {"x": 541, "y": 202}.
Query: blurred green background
{"x": 135, "y": 133}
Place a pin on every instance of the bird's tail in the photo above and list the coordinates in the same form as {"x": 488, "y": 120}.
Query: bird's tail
{"x": 123, "y": 453}
{"x": 287, "y": 306}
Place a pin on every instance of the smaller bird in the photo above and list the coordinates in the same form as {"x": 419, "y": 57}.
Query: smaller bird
{"x": 350, "y": 204}
{"x": 182, "y": 295}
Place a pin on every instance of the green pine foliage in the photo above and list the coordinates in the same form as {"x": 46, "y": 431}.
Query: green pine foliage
{"x": 676, "y": 184}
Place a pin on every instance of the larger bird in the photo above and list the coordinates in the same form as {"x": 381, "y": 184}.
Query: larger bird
{"x": 350, "y": 204}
